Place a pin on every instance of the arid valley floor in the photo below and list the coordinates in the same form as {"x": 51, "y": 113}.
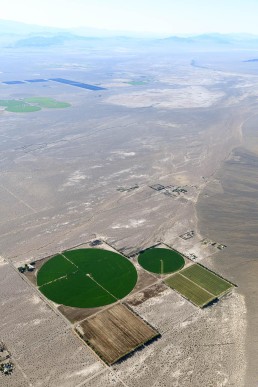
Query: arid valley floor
{"x": 65, "y": 180}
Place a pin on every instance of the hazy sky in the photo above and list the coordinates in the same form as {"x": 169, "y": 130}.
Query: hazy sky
{"x": 157, "y": 16}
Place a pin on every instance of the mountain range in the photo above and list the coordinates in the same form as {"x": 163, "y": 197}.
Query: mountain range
{"x": 19, "y": 35}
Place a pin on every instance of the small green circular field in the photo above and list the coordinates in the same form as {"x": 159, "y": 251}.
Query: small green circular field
{"x": 86, "y": 278}
{"x": 161, "y": 261}
{"x": 34, "y": 104}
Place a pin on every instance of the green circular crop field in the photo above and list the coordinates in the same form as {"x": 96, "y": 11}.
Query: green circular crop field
{"x": 86, "y": 278}
{"x": 161, "y": 261}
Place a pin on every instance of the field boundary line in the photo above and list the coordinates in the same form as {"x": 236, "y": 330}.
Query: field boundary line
{"x": 231, "y": 285}
{"x": 102, "y": 308}
{"x": 24, "y": 216}
{"x": 91, "y": 377}
{"x": 69, "y": 261}
{"x": 50, "y": 282}
{"x": 40, "y": 294}
{"x": 185, "y": 297}
{"x": 107, "y": 367}
{"x": 123, "y": 300}
{"x": 90, "y": 276}
{"x": 16, "y": 363}
{"x": 213, "y": 295}
{"x": 188, "y": 298}
{"x": 77, "y": 334}
{"x": 17, "y": 198}
{"x": 215, "y": 274}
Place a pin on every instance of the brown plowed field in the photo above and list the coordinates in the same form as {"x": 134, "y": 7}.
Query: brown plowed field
{"x": 115, "y": 332}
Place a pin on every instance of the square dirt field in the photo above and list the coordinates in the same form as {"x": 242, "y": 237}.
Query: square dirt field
{"x": 116, "y": 332}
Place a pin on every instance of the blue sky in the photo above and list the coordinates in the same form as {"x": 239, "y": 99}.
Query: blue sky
{"x": 156, "y": 16}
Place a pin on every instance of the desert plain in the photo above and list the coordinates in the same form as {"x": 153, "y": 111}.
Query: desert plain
{"x": 73, "y": 175}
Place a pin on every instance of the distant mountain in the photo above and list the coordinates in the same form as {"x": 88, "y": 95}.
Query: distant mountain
{"x": 50, "y": 40}
{"x": 21, "y": 35}
{"x": 40, "y": 41}
{"x": 8, "y": 27}
{"x": 213, "y": 38}
{"x": 16, "y": 28}
{"x": 209, "y": 41}
{"x": 251, "y": 60}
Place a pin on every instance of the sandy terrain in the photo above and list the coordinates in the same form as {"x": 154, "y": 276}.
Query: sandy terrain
{"x": 233, "y": 212}
{"x": 192, "y": 97}
{"x": 38, "y": 338}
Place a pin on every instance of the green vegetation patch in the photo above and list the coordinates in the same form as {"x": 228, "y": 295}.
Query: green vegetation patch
{"x": 56, "y": 267}
{"x": 28, "y": 105}
{"x": 198, "y": 284}
{"x": 190, "y": 290}
{"x": 8, "y": 102}
{"x": 161, "y": 261}
{"x": 22, "y": 108}
{"x": 48, "y": 103}
{"x": 137, "y": 83}
{"x": 207, "y": 280}
{"x": 86, "y": 278}
{"x": 77, "y": 290}
{"x": 18, "y": 106}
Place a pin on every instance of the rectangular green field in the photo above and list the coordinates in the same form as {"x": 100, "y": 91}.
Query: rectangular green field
{"x": 206, "y": 279}
{"x": 190, "y": 290}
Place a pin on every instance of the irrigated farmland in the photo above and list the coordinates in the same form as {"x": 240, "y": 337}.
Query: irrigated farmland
{"x": 207, "y": 280}
{"x": 189, "y": 290}
{"x": 86, "y": 278}
{"x": 46, "y": 102}
{"x": 199, "y": 285}
{"x": 161, "y": 261}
